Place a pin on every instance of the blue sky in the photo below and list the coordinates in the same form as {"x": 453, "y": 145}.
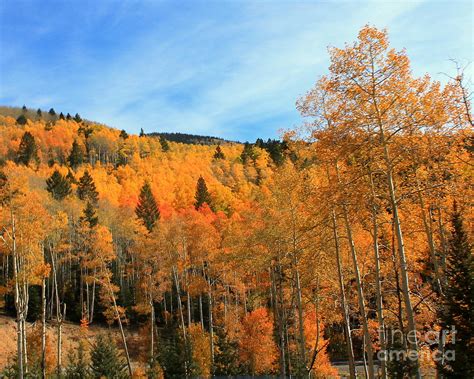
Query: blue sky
{"x": 232, "y": 69}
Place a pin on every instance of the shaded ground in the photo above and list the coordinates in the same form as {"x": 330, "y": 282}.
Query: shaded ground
{"x": 71, "y": 333}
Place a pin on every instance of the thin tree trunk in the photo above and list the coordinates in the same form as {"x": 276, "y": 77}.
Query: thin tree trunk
{"x": 43, "y": 327}
{"x": 180, "y": 306}
{"x": 25, "y": 312}
{"x": 59, "y": 315}
{"x": 378, "y": 282}
{"x": 344, "y": 308}
{"x": 91, "y": 316}
{"x": 360, "y": 292}
{"x": 18, "y": 298}
{"x": 152, "y": 324}
{"x": 278, "y": 316}
{"x": 124, "y": 340}
{"x": 201, "y": 314}
{"x": 401, "y": 247}
{"x": 429, "y": 236}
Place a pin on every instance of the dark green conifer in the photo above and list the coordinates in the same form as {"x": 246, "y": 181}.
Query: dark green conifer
{"x": 39, "y": 113}
{"x": 58, "y": 185}
{"x": 77, "y": 155}
{"x": 89, "y": 215}
{"x": 123, "y": 134}
{"x": 458, "y": 309}
{"x": 68, "y": 117}
{"x": 248, "y": 153}
{"x": 86, "y": 189}
{"x": 147, "y": 208}
{"x": 51, "y": 160}
{"x": 28, "y": 150}
{"x": 226, "y": 360}
{"x": 77, "y": 367}
{"x": 142, "y": 133}
{"x": 21, "y": 120}
{"x": 52, "y": 112}
{"x": 164, "y": 144}
{"x": 219, "y": 154}
{"x": 61, "y": 116}
{"x": 202, "y": 194}
{"x": 77, "y": 118}
{"x": 106, "y": 361}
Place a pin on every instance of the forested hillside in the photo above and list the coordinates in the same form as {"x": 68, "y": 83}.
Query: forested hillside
{"x": 225, "y": 258}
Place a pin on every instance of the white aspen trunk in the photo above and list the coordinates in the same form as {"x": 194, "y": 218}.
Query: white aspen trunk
{"x": 18, "y": 305}
{"x": 122, "y": 333}
{"x": 180, "y": 306}
{"x": 59, "y": 316}
{"x": 360, "y": 292}
{"x": 378, "y": 284}
{"x": 201, "y": 314}
{"x": 60, "y": 339}
{"x": 43, "y": 327}
{"x": 398, "y": 230}
{"x": 299, "y": 303}
{"x": 344, "y": 307}
{"x": 152, "y": 332}
{"x": 211, "y": 321}
{"x": 429, "y": 236}
{"x": 444, "y": 244}
{"x": 403, "y": 263}
{"x": 25, "y": 301}
{"x": 91, "y": 316}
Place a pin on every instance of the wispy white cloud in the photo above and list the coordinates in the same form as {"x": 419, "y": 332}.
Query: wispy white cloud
{"x": 230, "y": 69}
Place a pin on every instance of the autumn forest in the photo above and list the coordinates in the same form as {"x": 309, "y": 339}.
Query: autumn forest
{"x": 342, "y": 249}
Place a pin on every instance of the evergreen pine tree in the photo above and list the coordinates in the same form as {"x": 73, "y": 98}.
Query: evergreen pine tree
{"x": 51, "y": 160}
{"x": 68, "y": 117}
{"x": 226, "y": 360}
{"x": 77, "y": 118}
{"x": 202, "y": 194}
{"x": 39, "y": 113}
{"x": 164, "y": 144}
{"x": 28, "y": 150}
{"x": 275, "y": 150}
{"x": 77, "y": 155}
{"x": 218, "y": 154}
{"x": 175, "y": 356}
{"x": 248, "y": 153}
{"x": 123, "y": 134}
{"x": 458, "y": 310}
{"x": 52, "y": 112}
{"x": 142, "y": 133}
{"x": 61, "y": 116}
{"x": 147, "y": 209}
{"x": 24, "y": 109}
{"x": 21, "y": 120}
{"x": 89, "y": 215}
{"x": 58, "y": 185}
{"x": 106, "y": 361}
{"x": 86, "y": 189}
{"x": 78, "y": 366}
